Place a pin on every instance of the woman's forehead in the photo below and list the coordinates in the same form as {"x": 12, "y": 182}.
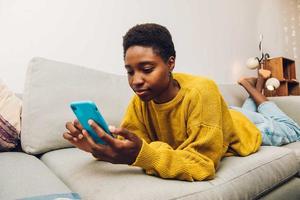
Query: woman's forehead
{"x": 140, "y": 54}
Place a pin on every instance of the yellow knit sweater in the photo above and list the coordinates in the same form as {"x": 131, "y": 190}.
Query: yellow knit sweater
{"x": 186, "y": 137}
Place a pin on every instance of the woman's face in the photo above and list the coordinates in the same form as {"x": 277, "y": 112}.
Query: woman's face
{"x": 148, "y": 74}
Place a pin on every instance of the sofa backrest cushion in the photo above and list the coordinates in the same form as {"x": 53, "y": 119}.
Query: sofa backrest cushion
{"x": 233, "y": 94}
{"x": 49, "y": 88}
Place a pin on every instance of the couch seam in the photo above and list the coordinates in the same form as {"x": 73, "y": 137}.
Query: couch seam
{"x": 26, "y": 95}
{"x": 237, "y": 178}
{"x": 262, "y": 193}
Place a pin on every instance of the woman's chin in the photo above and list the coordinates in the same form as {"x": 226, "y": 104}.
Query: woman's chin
{"x": 145, "y": 97}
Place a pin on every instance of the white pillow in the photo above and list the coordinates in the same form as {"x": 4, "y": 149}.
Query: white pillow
{"x": 50, "y": 86}
{"x": 10, "y": 121}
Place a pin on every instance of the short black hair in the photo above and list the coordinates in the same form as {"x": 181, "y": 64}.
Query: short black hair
{"x": 150, "y": 35}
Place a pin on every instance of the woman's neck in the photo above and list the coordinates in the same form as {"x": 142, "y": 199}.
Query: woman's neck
{"x": 170, "y": 93}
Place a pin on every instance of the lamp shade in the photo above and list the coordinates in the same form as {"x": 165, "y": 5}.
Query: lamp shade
{"x": 252, "y": 63}
{"x": 272, "y": 84}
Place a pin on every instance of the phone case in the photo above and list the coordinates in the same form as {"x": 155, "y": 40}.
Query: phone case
{"x": 85, "y": 110}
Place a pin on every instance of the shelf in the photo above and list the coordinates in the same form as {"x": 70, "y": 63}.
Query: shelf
{"x": 284, "y": 70}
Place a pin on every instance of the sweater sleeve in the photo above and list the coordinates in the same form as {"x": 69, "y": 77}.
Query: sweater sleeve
{"x": 198, "y": 156}
{"x": 194, "y": 162}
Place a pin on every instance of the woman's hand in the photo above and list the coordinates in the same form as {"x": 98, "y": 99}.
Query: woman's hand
{"x": 76, "y": 137}
{"x": 116, "y": 151}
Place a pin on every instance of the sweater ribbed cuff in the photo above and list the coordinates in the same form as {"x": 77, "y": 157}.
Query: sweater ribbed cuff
{"x": 146, "y": 157}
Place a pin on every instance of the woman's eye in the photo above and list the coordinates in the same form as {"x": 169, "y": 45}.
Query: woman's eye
{"x": 130, "y": 72}
{"x": 148, "y": 70}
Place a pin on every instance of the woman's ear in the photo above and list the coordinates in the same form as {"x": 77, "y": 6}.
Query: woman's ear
{"x": 171, "y": 63}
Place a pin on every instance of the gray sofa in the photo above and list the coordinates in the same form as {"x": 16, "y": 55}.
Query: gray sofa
{"x": 50, "y": 168}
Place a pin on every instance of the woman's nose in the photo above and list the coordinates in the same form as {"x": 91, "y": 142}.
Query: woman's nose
{"x": 137, "y": 79}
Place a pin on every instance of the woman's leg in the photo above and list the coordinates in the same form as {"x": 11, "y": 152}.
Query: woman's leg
{"x": 250, "y": 105}
{"x": 263, "y": 75}
{"x": 249, "y": 108}
{"x": 255, "y": 92}
{"x": 277, "y": 128}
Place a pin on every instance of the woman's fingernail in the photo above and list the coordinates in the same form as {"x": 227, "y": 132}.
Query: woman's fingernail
{"x": 112, "y": 128}
{"x": 90, "y": 122}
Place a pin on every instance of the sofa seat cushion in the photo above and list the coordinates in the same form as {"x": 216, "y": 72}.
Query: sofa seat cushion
{"x": 237, "y": 177}
{"x": 24, "y": 176}
{"x": 296, "y": 148}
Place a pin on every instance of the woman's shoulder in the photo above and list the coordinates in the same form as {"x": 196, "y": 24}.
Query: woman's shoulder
{"x": 195, "y": 82}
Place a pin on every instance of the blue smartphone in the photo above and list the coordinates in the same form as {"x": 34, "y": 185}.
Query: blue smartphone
{"x": 85, "y": 110}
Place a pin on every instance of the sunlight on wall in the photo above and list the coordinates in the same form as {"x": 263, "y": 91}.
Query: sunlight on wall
{"x": 291, "y": 28}
{"x": 291, "y": 31}
{"x": 237, "y": 69}
{"x": 281, "y": 29}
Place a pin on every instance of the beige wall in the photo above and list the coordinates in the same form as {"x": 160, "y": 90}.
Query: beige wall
{"x": 279, "y": 21}
{"x": 212, "y": 37}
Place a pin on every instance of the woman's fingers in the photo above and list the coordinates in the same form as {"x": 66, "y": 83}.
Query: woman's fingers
{"x": 94, "y": 146}
{"x": 77, "y": 124}
{"x": 67, "y": 136}
{"x": 76, "y": 133}
{"x": 102, "y": 134}
{"x": 70, "y": 137}
{"x": 126, "y": 134}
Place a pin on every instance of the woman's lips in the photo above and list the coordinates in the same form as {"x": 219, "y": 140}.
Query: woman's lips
{"x": 142, "y": 92}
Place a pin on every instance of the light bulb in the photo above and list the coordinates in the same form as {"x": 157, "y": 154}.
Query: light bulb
{"x": 270, "y": 87}
{"x": 252, "y": 63}
{"x": 272, "y": 84}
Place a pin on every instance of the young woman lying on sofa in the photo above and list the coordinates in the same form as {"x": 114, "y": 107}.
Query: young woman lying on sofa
{"x": 178, "y": 126}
